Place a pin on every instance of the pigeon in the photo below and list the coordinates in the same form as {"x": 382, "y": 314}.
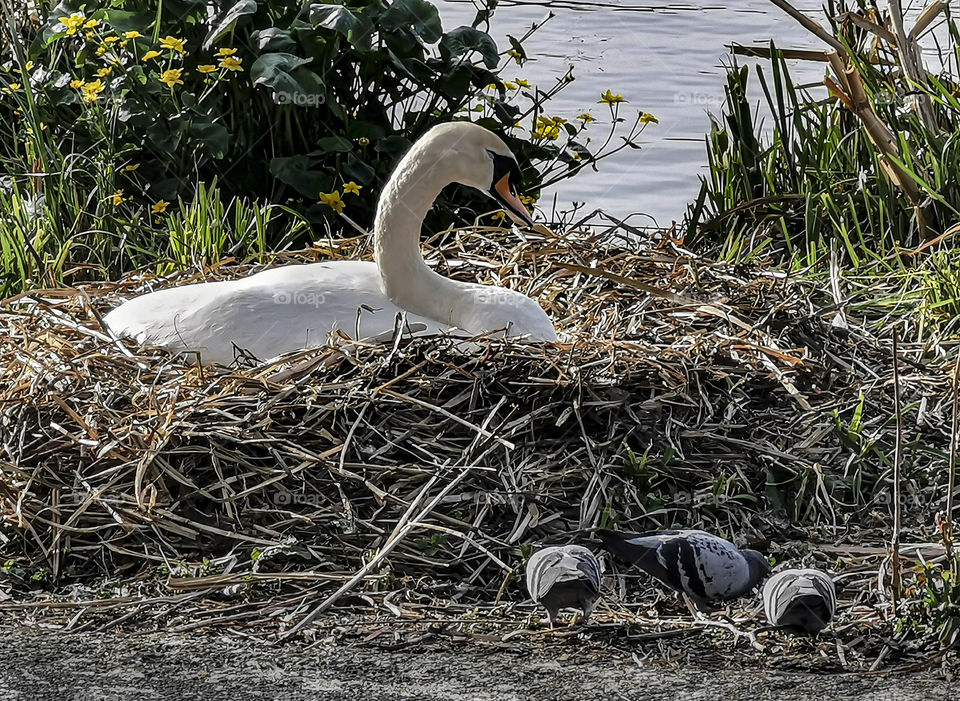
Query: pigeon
{"x": 800, "y": 600}
{"x": 704, "y": 568}
{"x": 565, "y": 576}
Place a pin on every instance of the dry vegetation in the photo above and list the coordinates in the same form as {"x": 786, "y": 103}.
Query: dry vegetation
{"x": 685, "y": 393}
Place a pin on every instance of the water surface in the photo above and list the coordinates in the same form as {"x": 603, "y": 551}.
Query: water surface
{"x": 666, "y": 59}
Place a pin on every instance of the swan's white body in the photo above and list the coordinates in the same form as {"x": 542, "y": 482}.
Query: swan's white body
{"x": 299, "y": 306}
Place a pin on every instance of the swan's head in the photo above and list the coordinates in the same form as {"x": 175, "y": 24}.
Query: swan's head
{"x": 474, "y": 156}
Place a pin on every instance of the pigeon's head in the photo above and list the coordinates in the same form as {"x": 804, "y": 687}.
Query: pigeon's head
{"x": 759, "y": 565}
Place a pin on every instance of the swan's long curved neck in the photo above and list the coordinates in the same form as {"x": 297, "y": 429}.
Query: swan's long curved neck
{"x": 407, "y": 281}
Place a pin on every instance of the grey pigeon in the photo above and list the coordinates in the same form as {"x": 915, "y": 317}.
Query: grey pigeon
{"x": 800, "y": 600}
{"x": 565, "y": 576}
{"x": 703, "y": 567}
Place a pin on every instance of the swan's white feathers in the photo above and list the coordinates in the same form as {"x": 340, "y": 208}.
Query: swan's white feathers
{"x": 272, "y": 312}
{"x": 299, "y": 306}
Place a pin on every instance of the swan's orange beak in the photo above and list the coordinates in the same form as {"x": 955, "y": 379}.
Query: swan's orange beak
{"x": 511, "y": 203}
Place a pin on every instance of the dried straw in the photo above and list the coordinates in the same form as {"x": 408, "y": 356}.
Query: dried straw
{"x": 686, "y": 392}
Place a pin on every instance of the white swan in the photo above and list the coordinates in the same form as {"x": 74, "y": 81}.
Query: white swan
{"x": 298, "y": 306}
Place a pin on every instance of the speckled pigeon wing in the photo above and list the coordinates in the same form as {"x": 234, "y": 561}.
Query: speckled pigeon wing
{"x": 713, "y": 568}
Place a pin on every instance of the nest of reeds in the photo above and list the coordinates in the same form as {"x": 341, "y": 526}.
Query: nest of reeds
{"x": 686, "y": 392}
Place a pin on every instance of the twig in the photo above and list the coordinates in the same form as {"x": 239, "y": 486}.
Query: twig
{"x": 897, "y": 459}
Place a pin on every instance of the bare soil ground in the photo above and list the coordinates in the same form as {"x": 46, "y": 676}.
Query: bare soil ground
{"x": 41, "y": 664}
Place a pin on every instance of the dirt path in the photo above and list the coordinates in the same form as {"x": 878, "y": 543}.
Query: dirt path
{"x": 37, "y": 665}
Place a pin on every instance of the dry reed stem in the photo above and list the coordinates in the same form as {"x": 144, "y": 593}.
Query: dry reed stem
{"x": 730, "y": 386}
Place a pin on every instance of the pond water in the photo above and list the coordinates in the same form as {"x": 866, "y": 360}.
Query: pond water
{"x": 665, "y": 58}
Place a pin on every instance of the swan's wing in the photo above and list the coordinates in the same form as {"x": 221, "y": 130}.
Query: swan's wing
{"x": 267, "y": 314}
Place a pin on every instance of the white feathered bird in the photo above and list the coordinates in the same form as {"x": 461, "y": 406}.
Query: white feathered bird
{"x": 564, "y": 576}
{"x": 299, "y": 306}
{"x": 801, "y": 600}
{"x": 704, "y": 567}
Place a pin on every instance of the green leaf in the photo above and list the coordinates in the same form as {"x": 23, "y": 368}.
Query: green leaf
{"x": 462, "y": 40}
{"x": 358, "y": 170}
{"x": 393, "y": 145}
{"x": 275, "y": 72}
{"x": 334, "y": 144}
{"x": 214, "y": 137}
{"x": 295, "y": 171}
{"x": 274, "y": 39}
{"x": 227, "y": 19}
{"x": 420, "y": 15}
{"x": 126, "y": 21}
{"x": 357, "y": 30}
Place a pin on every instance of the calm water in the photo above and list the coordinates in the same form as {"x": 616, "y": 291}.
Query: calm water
{"x": 667, "y": 59}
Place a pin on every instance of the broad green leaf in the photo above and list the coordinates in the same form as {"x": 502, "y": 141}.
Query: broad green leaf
{"x": 334, "y": 144}
{"x": 274, "y": 39}
{"x": 214, "y": 137}
{"x": 462, "y": 40}
{"x": 357, "y": 30}
{"x": 418, "y": 14}
{"x": 227, "y": 19}
{"x": 358, "y": 170}
{"x": 295, "y": 171}
{"x": 275, "y": 72}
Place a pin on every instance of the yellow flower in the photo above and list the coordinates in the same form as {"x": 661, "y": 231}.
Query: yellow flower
{"x": 647, "y": 118}
{"x": 72, "y": 23}
{"x": 546, "y": 131}
{"x": 586, "y": 118}
{"x": 132, "y": 35}
{"x": 332, "y": 200}
{"x": 91, "y": 23}
{"x": 14, "y": 86}
{"x": 528, "y": 201}
{"x": 172, "y": 77}
{"x": 89, "y": 36}
{"x": 29, "y": 66}
{"x": 516, "y": 55}
{"x": 151, "y": 54}
{"x": 172, "y": 44}
{"x": 231, "y": 63}
{"x": 509, "y": 86}
{"x": 206, "y": 68}
{"x": 104, "y": 72}
{"x": 226, "y": 52}
{"x": 92, "y": 90}
{"x": 77, "y": 84}
{"x": 499, "y": 216}
{"x": 117, "y": 198}
{"x": 111, "y": 40}
{"x": 491, "y": 86}
{"x": 611, "y": 99}
{"x": 101, "y": 50}
{"x": 160, "y": 207}
{"x": 522, "y": 83}
{"x": 132, "y": 167}
{"x": 123, "y": 44}
{"x": 363, "y": 141}
{"x": 351, "y": 188}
